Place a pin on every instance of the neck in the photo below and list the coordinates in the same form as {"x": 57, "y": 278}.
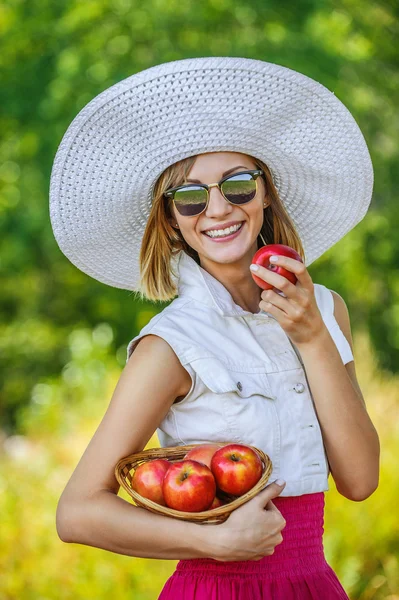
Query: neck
{"x": 238, "y": 281}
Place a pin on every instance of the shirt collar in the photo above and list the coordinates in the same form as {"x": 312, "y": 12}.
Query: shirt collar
{"x": 197, "y": 283}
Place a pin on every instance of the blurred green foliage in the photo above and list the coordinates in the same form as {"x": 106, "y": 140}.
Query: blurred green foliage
{"x": 63, "y": 335}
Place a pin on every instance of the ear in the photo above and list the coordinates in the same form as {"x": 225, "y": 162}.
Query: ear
{"x": 172, "y": 221}
{"x": 266, "y": 197}
{"x": 170, "y": 215}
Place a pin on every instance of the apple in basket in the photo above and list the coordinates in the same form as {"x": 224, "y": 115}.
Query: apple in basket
{"x": 189, "y": 486}
{"x": 262, "y": 258}
{"x": 203, "y": 453}
{"x": 217, "y": 502}
{"x": 148, "y": 478}
{"x": 237, "y": 468}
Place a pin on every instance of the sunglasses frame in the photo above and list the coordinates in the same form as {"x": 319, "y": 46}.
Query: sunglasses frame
{"x": 254, "y": 172}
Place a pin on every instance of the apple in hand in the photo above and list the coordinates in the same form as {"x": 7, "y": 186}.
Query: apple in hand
{"x": 189, "y": 486}
{"x": 148, "y": 478}
{"x": 203, "y": 453}
{"x": 262, "y": 258}
{"x": 237, "y": 468}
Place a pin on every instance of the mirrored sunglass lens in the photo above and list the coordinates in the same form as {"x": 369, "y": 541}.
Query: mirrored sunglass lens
{"x": 190, "y": 201}
{"x": 240, "y": 188}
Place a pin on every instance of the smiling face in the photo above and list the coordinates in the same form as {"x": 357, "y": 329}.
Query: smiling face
{"x": 209, "y": 168}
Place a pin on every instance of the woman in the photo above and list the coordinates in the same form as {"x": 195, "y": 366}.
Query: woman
{"x": 166, "y": 184}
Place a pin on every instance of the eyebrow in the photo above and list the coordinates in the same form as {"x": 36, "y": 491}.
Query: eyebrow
{"x": 224, "y": 174}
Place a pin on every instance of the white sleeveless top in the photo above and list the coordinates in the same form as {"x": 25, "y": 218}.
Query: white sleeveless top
{"x": 249, "y": 384}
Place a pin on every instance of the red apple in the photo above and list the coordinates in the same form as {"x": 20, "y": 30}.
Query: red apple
{"x": 203, "y": 453}
{"x": 216, "y": 503}
{"x": 262, "y": 257}
{"x": 237, "y": 468}
{"x": 148, "y": 478}
{"x": 189, "y": 486}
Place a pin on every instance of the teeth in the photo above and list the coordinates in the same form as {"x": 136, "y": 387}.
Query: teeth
{"x": 223, "y": 232}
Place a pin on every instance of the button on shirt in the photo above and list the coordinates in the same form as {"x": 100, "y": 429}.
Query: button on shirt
{"x": 249, "y": 384}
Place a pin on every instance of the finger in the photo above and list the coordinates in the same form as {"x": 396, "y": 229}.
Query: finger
{"x": 276, "y": 312}
{"x": 282, "y": 306}
{"x": 276, "y": 299}
{"x": 272, "y": 507}
{"x": 271, "y": 491}
{"x": 295, "y": 266}
{"x": 276, "y": 280}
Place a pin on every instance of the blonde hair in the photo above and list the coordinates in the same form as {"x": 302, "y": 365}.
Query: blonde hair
{"x": 161, "y": 241}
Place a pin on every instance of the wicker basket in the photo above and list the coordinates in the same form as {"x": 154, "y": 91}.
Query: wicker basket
{"x": 175, "y": 454}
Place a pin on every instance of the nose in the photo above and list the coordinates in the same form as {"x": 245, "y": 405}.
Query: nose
{"x": 217, "y": 203}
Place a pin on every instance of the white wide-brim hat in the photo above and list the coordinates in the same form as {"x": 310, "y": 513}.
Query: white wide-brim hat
{"x": 115, "y": 149}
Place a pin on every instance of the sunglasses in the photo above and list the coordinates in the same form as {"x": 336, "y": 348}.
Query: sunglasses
{"x": 192, "y": 199}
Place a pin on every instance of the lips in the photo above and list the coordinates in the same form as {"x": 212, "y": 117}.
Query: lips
{"x": 240, "y": 223}
{"x": 228, "y": 224}
{"x": 225, "y": 238}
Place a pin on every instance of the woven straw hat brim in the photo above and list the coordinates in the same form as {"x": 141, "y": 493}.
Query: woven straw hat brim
{"x": 117, "y": 146}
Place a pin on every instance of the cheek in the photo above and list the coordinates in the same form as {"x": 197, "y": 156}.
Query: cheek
{"x": 255, "y": 213}
{"x": 190, "y": 229}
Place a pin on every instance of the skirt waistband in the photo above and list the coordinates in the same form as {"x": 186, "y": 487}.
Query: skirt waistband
{"x": 300, "y": 552}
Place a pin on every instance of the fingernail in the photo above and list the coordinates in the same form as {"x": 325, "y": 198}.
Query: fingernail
{"x": 280, "y": 481}
{"x": 254, "y": 267}
{"x": 273, "y": 259}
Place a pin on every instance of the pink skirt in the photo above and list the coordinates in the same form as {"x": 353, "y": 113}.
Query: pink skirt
{"x": 297, "y": 570}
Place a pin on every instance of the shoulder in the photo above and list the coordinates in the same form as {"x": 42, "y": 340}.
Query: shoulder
{"x": 155, "y": 352}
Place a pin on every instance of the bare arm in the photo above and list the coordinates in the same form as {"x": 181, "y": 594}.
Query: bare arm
{"x": 351, "y": 440}
{"x": 89, "y": 511}
{"x": 107, "y": 521}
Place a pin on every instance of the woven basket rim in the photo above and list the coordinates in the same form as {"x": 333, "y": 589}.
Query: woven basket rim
{"x": 214, "y": 515}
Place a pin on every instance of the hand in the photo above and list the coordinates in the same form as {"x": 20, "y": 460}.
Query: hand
{"x": 296, "y": 310}
{"x": 252, "y": 530}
